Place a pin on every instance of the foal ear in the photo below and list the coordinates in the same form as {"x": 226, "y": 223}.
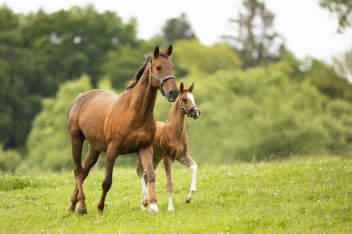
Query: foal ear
{"x": 169, "y": 50}
{"x": 181, "y": 87}
{"x": 156, "y": 51}
{"x": 191, "y": 87}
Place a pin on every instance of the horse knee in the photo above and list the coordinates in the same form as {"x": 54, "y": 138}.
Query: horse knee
{"x": 106, "y": 186}
{"x": 151, "y": 176}
{"x": 170, "y": 186}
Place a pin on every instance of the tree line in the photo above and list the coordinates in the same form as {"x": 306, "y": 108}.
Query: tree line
{"x": 258, "y": 100}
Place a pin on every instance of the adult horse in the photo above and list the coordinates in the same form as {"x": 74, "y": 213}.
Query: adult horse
{"x": 170, "y": 144}
{"x": 119, "y": 124}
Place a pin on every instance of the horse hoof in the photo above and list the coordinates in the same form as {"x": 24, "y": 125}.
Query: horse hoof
{"x": 188, "y": 199}
{"x": 82, "y": 211}
{"x": 153, "y": 209}
{"x": 69, "y": 209}
{"x": 142, "y": 207}
{"x": 99, "y": 213}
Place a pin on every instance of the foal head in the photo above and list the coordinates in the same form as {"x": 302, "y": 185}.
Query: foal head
{"x": 162, "y": 73}
{"x": 187, "y": 102}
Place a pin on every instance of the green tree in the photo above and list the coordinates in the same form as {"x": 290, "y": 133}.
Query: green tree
{"x": 40, "y": 51}
{"x": 49, "y": 146}
{"x": 342, "y": 9}
{"x": 9, "y": 159}
{"x": 254, "y": 37}
{"x": 17, "y": 104}
{"x": 178, "y": 29}
{"x": 343, "y": 64}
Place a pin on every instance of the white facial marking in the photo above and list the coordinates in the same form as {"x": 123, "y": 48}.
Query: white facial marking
{"x": 190, "y": 96}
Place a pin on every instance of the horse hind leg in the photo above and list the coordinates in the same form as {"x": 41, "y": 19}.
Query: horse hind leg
{"x": 90, "y": 160}
{"x": 140, "y": 172}
{"x": 78, "y": 195}
{"x": 188, "y": 161}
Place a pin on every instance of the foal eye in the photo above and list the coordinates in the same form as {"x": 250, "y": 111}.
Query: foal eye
{"x": 158, "y": 68}
{"x": 184, "y": 100}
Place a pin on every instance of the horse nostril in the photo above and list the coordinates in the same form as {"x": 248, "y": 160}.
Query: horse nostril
{"x": 173, "y": 92}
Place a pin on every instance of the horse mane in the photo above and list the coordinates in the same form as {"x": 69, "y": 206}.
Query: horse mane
{"x": 140, "y": 71}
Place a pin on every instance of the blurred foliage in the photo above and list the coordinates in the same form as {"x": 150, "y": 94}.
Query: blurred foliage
{"x": 254, "y": 37}
{"x": 9, "y": 159}
{"x": 271, "y": 110}
{"x": 178, "y": 29}
{"x": 342, "y": 9}
{"x": 40, "y": 51}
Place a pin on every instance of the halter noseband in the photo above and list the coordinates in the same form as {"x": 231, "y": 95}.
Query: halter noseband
{"x": 161, "y": 80}
{"x": 187, "y": 110}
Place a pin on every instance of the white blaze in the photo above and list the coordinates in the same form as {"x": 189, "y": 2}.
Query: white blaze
{"x": 190, "y": 96}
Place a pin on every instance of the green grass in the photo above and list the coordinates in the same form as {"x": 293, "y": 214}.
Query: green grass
{"x": 299, "y": 195}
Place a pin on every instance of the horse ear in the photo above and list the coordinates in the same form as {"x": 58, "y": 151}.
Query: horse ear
{"x": 156, "y": 51}
{"x": 181, "y": 87}
{"x": 191, "y": 87}
{"x": 169, "y": 50}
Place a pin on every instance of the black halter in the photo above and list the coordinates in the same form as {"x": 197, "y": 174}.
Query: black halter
{"x": 161, "y": 80}
{"x": 187, "y": 110}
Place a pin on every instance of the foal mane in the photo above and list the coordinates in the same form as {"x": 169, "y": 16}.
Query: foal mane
{"x": 140, "y": 71}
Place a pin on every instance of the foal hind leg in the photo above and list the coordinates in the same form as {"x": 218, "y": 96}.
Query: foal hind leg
{"x": 188, "y": 161}
{"x": 88, "y": 163}
{"x": 170, "y": 183}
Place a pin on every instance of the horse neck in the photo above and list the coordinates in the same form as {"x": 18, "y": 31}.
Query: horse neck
{"x": 177, "y": 119}
{"x": 143, "y": 95}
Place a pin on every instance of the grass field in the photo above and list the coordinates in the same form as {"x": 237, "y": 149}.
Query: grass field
{"x": 299, "y": 195}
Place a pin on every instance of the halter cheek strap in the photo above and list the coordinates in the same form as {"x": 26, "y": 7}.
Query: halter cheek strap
{"x": 161, "y": 80}
{"x": 187, "y": 110}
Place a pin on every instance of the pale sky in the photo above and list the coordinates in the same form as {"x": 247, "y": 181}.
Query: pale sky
{"x": 308, "y": 29}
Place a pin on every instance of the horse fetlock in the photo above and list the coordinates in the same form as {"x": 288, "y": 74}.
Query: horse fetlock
{"x": 193, "y": 168}
{"x": 170, "y": 208}
{"x": 193, "y": 189}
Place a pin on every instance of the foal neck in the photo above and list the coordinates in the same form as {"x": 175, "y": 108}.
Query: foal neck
{"x": 177, "y": 119}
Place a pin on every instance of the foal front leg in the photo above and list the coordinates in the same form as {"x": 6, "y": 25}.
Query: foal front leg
{"x": 188, "y": 161}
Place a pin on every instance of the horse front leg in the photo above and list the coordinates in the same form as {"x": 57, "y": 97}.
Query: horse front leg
{"x": 146, "y": 158}
{"x": 170, "y": 183}
{"x": 144, "y": 181}
{"x": 188, "y": 161}
{"x": 111, "y": 156}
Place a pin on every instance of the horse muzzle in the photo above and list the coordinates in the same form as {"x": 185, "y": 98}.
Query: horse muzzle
{"x": 170, "y": 94}
{"x": 195, "y": 113}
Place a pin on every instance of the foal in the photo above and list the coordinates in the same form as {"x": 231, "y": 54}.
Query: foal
{"x": 170, "y": 143}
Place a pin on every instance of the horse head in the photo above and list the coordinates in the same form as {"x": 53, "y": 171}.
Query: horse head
{"x": 162, "y": 73}
{"x": 188, "y": 103}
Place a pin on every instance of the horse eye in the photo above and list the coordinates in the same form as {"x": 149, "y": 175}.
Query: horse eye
{"x": 158, "y": 68}
{"x": 184, "y": 100}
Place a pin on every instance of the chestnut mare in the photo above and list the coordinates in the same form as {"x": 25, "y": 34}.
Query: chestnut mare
{"x": 119, "y": 124}
{"x": 170, "y": 143}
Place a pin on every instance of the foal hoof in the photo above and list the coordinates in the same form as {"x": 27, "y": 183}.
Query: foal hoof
{"x": 153, "y": 209}
{"x": 82, "y": 211}
{"x": 188, "y": 199}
